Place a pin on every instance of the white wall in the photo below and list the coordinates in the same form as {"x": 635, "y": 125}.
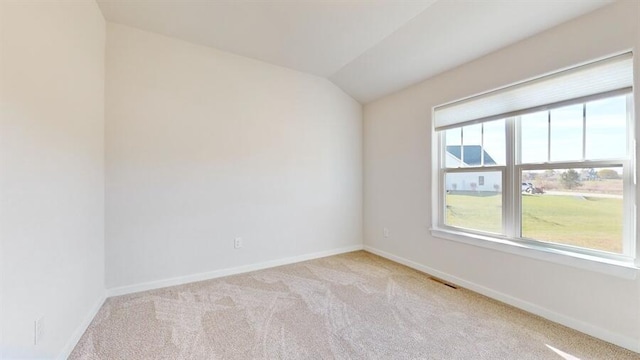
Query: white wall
{"x": 204, "y": 146}
{"x": 51, "y": 173}
{"x": 398, "y": 179}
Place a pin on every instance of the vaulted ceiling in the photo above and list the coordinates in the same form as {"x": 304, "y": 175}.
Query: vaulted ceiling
{"x": 367, "y": 48}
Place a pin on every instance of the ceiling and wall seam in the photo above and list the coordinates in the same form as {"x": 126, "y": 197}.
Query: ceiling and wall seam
{"x": 367, "y": 49}
{"x": 364, "y": 52}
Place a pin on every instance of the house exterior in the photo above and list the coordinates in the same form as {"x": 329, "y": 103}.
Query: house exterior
{"x": 471, "y": 156}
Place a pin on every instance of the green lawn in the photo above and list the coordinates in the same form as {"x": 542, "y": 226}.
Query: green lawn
{"x": 582, "y": 221}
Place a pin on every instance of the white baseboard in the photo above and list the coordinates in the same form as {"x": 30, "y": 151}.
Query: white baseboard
{"x": 73, "y": 341}
{"x": 595, "y": 331}
{"x": 129, "y": 289}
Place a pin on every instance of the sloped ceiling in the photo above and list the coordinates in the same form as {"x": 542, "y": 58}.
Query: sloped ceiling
{"x": 368, "y": 48}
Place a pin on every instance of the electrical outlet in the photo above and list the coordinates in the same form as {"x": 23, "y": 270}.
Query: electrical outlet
{"x": 38, "y": 330}
{"x": 385, "y": 231}
{"x": 237, "y": 243}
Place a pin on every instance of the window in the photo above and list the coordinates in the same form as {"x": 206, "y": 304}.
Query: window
{"x": 549, "y": 162}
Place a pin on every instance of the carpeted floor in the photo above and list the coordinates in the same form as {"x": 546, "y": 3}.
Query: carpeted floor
{"x": 351, "y": 306}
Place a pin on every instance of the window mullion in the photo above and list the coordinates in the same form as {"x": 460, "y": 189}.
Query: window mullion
{"x": 441, "y": 211}
{"x": 630, "y": 245}
{"x": 481, "y": 144}
{"x": 462, "y": 147}
{"x": 584, "y": 131}
{"x": 510, "y": 202}
{"x": 549, "y": 136}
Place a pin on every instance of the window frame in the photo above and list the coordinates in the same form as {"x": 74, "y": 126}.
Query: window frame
{"x": 511, "y": 188}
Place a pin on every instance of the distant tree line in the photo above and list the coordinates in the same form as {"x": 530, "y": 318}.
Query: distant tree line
{"x": 569, "y": 179}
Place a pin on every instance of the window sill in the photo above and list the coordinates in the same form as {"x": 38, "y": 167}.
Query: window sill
{"x": 622, "y": 269}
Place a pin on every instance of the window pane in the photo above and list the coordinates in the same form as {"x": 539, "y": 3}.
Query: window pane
{"x": 474, "y": 200}
{"x": 566, "y": 133}
{"x": 482, "y": 145}
{"x": 453, "y": 139}
{"x": 606, "y": 128}
{"x": 578, "y": 207}
{"x": 472, "y": 145}
{"x": 494, "y": 143}
{"x": 534, "y": 137}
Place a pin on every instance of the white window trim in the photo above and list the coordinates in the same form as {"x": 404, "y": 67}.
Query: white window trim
{"x": 592, "y": 260}
{"x": 618, "y": 268}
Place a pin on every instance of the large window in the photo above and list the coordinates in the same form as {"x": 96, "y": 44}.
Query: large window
{"x": 542, "y": 163}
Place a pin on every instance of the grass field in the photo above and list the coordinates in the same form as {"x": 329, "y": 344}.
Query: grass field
{"x": 573, "y": 220}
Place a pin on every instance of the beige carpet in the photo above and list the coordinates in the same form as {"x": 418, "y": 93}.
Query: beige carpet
{"x": 351, "y": 306}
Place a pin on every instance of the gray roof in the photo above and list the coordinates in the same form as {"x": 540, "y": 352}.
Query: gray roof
{"x": 472, "y": 154}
